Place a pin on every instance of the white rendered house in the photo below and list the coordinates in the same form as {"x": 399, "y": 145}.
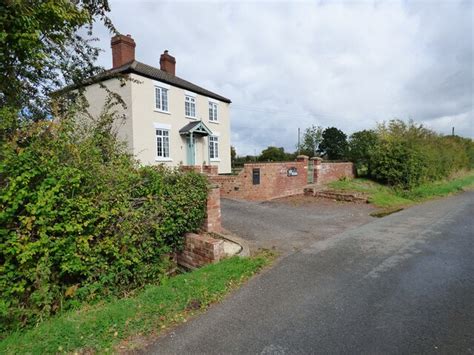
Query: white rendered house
{"x": 168, "y": 119}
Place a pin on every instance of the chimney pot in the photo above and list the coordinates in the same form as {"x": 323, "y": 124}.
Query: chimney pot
{"x": 123, "y": 50}
{"x": 168, "y": 63}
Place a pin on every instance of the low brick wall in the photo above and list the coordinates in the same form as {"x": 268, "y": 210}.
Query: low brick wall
{"x": 275, "y": 180}
{"x": 189, "y": 168}
{"x": 200, "y": 250}
{"x": 327, "y": 172}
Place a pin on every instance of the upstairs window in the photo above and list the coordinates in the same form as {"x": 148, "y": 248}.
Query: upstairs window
{"x": 190, "y": 106}
{"x": 162, "y": 143}
{"x": 212, "y": 111}
{"x": 161, "y": 99}
{"x": 213, "y": 147}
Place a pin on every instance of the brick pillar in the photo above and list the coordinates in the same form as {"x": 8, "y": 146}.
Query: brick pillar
{"x": 212, "y": 222}
{"x": 317, "y": 168}
{"x": 302, "y": 158}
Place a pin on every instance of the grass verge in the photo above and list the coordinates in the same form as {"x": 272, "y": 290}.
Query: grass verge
{"x": 388, "y": 198}
{"x": 100, "y": 328}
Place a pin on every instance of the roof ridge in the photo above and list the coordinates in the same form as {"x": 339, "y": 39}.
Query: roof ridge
{"x": 160, "y": 75}
{"x": 150, "y": 72}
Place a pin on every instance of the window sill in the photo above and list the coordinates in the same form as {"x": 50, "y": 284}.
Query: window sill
{"x": 191, "y": 117}
{"x": 163, "y": 159}
{"x": 215, "y": 122}
{"x": 161, "y": 111}
{"x": 215, "y": 160}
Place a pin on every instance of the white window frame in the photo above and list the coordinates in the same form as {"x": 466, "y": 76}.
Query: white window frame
{"x": 214, "y": 148}
{"x": 191, "y": 101}
{"x": 161, "y": 97}
{"x": 164, "y": 140}
{"x": 213, "y": 112}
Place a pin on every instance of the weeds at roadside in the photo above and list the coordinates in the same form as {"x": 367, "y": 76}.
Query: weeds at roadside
{"x": 102, "y": 327}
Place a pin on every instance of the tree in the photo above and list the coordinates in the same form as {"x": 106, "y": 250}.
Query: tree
{"x": 41, "y": 51}
{"x": 311, "y": 139}
{"x": 334, "y": 144}
{"x": 233, "y": 154}
{"x": 273, "y": 154}
{"x": 361, "y": 146}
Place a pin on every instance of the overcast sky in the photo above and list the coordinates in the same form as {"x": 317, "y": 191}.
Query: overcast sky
{"x": 285, "y": 65}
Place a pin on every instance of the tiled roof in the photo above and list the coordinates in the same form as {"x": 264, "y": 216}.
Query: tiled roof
{"x": 160, "y": 75}
{"x": 198, "y": 126}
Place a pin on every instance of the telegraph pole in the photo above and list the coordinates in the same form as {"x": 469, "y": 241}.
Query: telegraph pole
{"x": 298, "y": 150}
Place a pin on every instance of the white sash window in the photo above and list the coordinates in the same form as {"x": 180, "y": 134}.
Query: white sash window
{"x": 213, "y": 147}
{"x": 162, "y": 143}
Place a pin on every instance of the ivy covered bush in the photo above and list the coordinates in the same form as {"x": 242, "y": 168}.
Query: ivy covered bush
{"x": 80, "y": 221}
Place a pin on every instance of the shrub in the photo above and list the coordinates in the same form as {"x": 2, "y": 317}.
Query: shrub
{"x": 361, "y": 146}
{"x": 79, "y": 220}
{"x": 407, "y": 155}
{"x": 275, "y": 154}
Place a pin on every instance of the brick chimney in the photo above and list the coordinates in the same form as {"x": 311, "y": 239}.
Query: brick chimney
{"x": 123, "y": 50}
{"x": 168, "y": 63}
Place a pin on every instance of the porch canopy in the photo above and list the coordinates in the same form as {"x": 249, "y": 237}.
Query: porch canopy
{"x": 196, "y": 128}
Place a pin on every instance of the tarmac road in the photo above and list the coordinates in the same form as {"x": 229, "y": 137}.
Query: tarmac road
{"x": 400, "y": 284}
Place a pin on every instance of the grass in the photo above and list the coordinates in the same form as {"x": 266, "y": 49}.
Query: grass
{"x": 380, "y": 195}
{"x": 102, "y": 327}
{"x": 392, "y": 199}
{"x": 441, "y": 188}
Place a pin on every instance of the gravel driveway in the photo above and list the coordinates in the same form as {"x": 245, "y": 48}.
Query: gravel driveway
{"x": 291, "y": 223}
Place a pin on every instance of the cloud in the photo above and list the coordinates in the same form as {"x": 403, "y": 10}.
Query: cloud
{"x": 294, "y": 64}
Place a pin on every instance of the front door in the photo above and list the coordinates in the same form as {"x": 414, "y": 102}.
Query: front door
{"x": 191, "y": 150}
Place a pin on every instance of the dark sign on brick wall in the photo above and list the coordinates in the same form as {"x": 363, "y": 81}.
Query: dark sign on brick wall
{"x": 256, "y": 176}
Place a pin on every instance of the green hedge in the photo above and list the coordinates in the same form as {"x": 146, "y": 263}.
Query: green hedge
{"x": 406, "y": 155}
{"x": 80, "y": 221}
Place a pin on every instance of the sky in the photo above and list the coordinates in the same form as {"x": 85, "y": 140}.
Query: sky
{"x": 290, "y": 65}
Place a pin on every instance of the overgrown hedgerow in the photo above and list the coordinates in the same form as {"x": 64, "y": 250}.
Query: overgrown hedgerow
{"x": 80, "y": 220}
{"x": 406, "y": 155}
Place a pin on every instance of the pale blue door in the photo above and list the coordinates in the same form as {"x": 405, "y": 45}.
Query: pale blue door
{"x": 191, "y": 150}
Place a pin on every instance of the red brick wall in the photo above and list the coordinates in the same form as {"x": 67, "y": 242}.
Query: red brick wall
{"x": 188, "y": 168}
{"x": 205, "y": 169}
{"x": 274, "y": 181}
{"x": 327, "y": 172}
{"x": 200, "y": 250}
{"x": 210, "y": 169}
